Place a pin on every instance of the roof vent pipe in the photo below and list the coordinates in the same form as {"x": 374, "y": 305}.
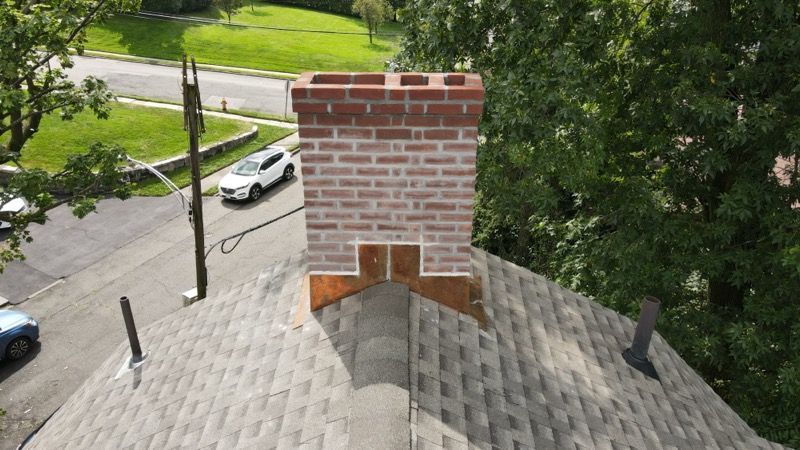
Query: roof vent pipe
{"x": 636, "y": 355}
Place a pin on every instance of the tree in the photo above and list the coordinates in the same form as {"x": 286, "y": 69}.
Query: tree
{"x": 36, "y": 41}
{"x": 630, "y": 148}
{"x": 374, "y": 13}
{"x": 228, "y": 6}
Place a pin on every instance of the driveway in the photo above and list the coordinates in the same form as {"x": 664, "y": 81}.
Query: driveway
{"x": 140, "y": 248}
{"x": 253, "y": 93}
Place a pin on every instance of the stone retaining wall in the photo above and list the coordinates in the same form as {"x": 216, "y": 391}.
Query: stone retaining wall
{"x": 166, "y": 165}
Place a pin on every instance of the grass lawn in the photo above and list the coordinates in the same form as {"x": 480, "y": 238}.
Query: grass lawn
{"x": 147, "y": 134}
{"x": 182, "y": 177}
{"x": 283, "y": 51}
{"x": 280, "y": 16}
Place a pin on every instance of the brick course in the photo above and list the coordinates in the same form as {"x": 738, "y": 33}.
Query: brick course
{"x": 388, "y": 158}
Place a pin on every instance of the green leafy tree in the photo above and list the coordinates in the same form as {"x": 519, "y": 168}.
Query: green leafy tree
{"x": 36, "y": 40}
{"x": 633, "y": 148}
{"x": 229, "y": 7}
{"x": 374, "y": 13}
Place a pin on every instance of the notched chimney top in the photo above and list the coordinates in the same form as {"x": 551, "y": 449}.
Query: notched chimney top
{"x": 464, "y": 89}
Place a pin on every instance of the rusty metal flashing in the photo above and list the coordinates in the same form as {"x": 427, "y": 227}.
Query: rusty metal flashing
{"x": 398, "y": 263}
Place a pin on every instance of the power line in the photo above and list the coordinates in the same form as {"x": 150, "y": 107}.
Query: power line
{"x": 240, "y": 235}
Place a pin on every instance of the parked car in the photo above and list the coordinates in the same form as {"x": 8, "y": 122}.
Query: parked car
{"x": 250, "y": 176}
{"x": 12, "y": 207}
{"x": 18, "y": 332}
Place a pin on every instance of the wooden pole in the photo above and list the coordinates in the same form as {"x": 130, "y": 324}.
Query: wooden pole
{"x": 194, "y": 125}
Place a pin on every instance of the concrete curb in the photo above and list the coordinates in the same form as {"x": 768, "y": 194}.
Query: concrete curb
{"x": 201, "y": 66}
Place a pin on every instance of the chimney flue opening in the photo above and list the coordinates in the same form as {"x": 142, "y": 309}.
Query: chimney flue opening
{"x": 636, "y": 354}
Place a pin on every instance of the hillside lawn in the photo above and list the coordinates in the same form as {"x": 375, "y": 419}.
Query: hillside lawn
{"x": 146, "y": 134}
{"x": 275, "y": 50}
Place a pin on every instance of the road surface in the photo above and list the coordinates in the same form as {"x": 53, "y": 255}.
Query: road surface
{"x": 253, "y": 93}
{"x": 143, "y": 249}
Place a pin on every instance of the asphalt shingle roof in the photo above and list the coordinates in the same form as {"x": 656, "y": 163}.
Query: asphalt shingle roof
{"x": 389, "y": 369}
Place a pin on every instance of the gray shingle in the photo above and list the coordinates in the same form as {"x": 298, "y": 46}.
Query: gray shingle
{"x": 389, "y": 369}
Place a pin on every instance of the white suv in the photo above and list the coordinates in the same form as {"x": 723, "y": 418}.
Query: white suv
{"x": 11, "y": 207}
{"x": 254, "y": 173}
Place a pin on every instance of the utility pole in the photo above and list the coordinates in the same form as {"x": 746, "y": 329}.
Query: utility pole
{"x": 194, "y": 124}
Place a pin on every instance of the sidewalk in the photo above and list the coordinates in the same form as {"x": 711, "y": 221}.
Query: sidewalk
{"x": 274, "y": 123}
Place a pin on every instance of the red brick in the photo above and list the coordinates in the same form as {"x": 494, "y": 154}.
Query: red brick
{"x": 397, "y": 94}
{"x": 334, "y": 119}
{"x": 340, "y": 258}
{"x": 458, "y": 172}
{"x": 439, "y": 227}
{"x": 349, "y": 108}
{"x": 457, "y": 195}
{"x": 357, "y": 226}
{"x": 439, "y": 206}
{"x": 373, "y": 147}
{"x": 372, "y": 172}
{"x": 392, "y": 133}
{"x": 459, "y": 146}
{"x": 372, "y": 121}
{"x": 393, "y": 204}
{"x": 420, "y": 217}
{"x": 392, "y": 159}
{"x": 308, "y": 146}
{"x": 354, "y": 204}
{"x": 440, "y": 160}
{"x": 474, "y": 109}
{"x": 339, "y": 215}
{"x": 310, "y": 107}
{"x": 354, "y": 158}
{"x": 338, "y": 193}
{"x": 426, "y": 93}
{"x": 299, "y": 91}
{"x": 319, "y": 182}
{"x": 374, "y": 215}
{"x": 354, "y": 182}
{"x": 416, "y": 108}
{"x": 469, "y": 134}
{"x": 421, "y": 147}
{"x": 354, "y": 133}
{"x": 460, "y": 121}
{"x": 369, "y": 78}
{"x": 387, "y": 108}
{"x": 333, "y": 78}
{"x": 445, "y": 108}
{"x": 422, "y": 121}
{"x": 368, "y": 92}
{"x": 441, "y": 184}
{"x": 391, "y": 183}
{"x": 316, "y": 158}
{"x": 311, "y": 225}
{"x": 309, "y": 170}
{"x": 306, "y": 119}
{"x": 419, "y": 195}
{"x": 325, "y": 93}
{"x": 373, "y": 194}
{"x": 464, "y": 93}
{"x": 334, "y": 146}
{"x": 335, "y": 171}
{"x": 454, "y": 79}
{"x": 421, "y": 172}
{"x": 392, "y": 227}
{"x": 441, "y": 134}
{"x": 308, "y": 132}
{"x": 455, "y": 217}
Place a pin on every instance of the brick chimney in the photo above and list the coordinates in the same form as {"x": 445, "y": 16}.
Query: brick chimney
{"x": 389, "y": 177}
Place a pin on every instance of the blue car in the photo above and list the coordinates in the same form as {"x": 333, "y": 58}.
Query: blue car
{"x": 18, "y": 332}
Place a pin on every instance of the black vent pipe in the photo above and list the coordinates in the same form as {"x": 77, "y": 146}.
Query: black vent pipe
{"x": 636, "y": 355}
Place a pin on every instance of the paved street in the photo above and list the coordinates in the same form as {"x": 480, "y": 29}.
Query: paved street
{"x": 160, "y": 82}
{"x": 142, "y": 248}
